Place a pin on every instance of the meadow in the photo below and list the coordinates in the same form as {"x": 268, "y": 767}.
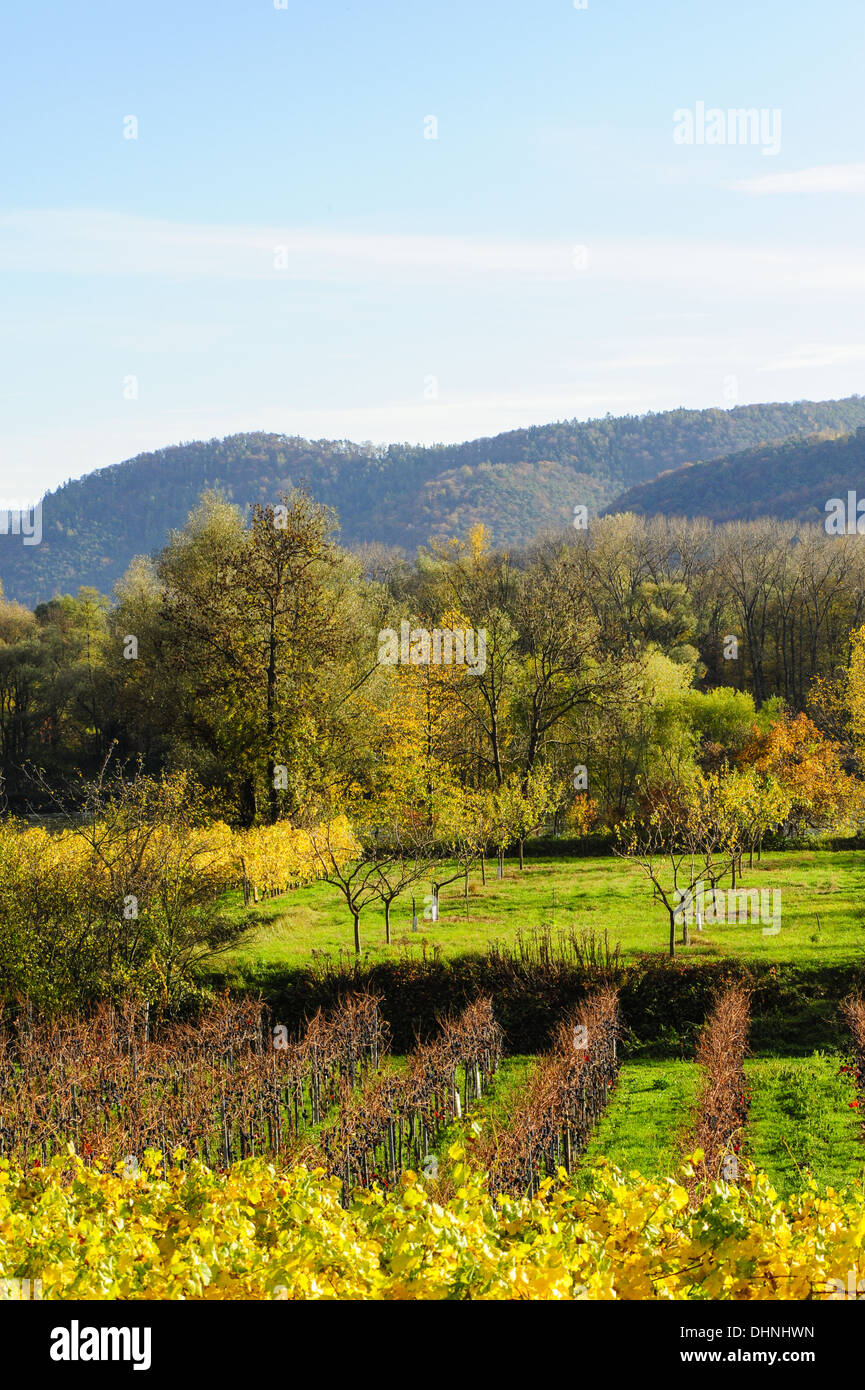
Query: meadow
{"x": 822, "y": 907}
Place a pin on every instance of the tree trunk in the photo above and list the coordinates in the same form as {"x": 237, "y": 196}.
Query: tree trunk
{"x": 522, "y": 843}
{"x": 672, "y": 932}
{"x": 500, "y": 868}
{"x": 248, "y": 803}
{"x": 356, "y": 916}
{"x": 270, "y": 725}
{"x": 483, "y": 871}
{"x": 467, "y": 895}
{"x": 387, "y": 920}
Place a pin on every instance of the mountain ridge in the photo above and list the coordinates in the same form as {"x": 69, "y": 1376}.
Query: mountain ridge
{"x": 789, "y": 480}
{"x": 519, "y": 482}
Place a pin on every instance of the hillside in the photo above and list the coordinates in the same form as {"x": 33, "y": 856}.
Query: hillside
{"x": 793, "y": 479}
{"x": 518, "y": 483}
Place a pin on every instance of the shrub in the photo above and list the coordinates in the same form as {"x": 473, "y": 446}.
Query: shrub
{"x": 255, "y": 1232}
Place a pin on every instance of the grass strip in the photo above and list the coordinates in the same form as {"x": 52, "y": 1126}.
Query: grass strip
{"x": 803, "y": 1121}
{"x": 646, "y": 1120}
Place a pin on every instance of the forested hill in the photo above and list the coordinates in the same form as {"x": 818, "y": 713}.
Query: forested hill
{"x": 793, "y": 479}
{"x": 518, "y": 483}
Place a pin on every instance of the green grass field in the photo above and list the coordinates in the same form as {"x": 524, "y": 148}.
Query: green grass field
{"x": 801, "y": 1122}
{"x": 648, "y": 1118}
{"x": 822, "y": 913}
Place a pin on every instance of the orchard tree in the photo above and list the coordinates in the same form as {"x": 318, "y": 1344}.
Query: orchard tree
{"x": 516, "y": 809}
{"x": 460, "y": 834}
{"x": 527, "y": 804}
{"x": 389, "y": 847}
{"x": 349, "y": 862}
{"x": 757, "y": 802}
{"x": 685, "y": 835}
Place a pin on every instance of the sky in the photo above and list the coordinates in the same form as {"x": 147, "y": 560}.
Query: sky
{"x": 418, "y": 221}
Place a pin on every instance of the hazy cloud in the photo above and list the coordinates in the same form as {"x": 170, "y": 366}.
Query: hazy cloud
{"x": 822, "y": 178}
{"x": 107, "y": 243}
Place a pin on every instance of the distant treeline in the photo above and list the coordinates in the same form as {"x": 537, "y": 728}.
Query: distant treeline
{"x": 248, "y": 654}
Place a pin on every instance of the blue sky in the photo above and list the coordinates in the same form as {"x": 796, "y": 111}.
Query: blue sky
{"x": 281, "y": 247}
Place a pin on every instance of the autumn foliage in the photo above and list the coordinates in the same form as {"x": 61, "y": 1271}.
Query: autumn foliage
{"x": 550, "y": 1122}
{"x": 723, "y": 1101}
{"x": 183, "y": 1231}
